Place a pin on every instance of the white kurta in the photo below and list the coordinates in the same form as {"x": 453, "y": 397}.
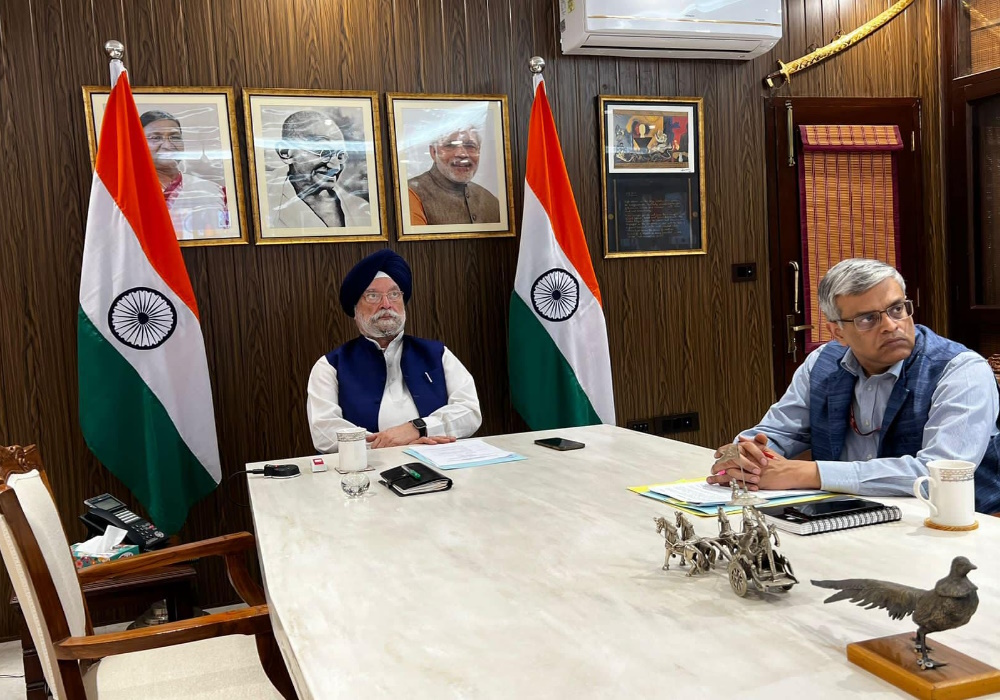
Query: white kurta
{"x": 460, "y": 417}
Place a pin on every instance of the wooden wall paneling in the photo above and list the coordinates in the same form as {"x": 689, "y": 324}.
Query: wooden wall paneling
{"x": 54, "y": 294}
{"x": 258, "y": 55}
{"x": 10, "y": 272}
{"x": 107, "y": 22}
{"x": 832, "y": 23}
{"x": 934, "y": 297}
{"x": 227, "y": 46}
{"x": 813, "y": 23}
{"x": 435, "y": 54}
{"x": 455, "y": 46}
{"x": 322, "y": 57}
{"x": 405, "y": 46}
{"x": 143, "y": 57}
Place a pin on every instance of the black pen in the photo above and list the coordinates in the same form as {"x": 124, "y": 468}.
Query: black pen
{"x": 409, "y": 471}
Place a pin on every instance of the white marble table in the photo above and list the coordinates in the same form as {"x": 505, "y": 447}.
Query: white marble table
{"x": 542, "y": 579}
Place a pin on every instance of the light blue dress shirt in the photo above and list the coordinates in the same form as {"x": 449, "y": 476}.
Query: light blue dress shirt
{"x": 961, "y": 421}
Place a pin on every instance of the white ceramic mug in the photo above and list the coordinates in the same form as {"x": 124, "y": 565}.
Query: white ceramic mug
{"x": 951, "y": 494}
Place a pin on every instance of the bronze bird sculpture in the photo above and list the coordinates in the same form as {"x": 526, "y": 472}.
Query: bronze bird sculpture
{"x": 950, "y": 604}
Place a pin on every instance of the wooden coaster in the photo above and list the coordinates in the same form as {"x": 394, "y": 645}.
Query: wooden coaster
{"x": 893, "y": 659}
{"x": 950, "y": 528}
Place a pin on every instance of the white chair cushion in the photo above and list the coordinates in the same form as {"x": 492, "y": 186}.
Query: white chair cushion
{"x": 40, "y": 510}
{"x": 223, "y": 667}
{"x": 31, "y": 609}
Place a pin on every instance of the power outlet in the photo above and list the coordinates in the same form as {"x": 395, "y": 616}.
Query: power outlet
{"x": 641, "y": 426}
{"x": 745, "y": 272}
{"x": 677, "y": 423}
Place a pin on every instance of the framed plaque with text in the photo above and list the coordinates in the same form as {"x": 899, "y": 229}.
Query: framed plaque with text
{"x": 653, "y": 176}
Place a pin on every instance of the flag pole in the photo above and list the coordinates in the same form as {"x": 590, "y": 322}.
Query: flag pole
{"x": 115, "y": 49}
{"x": 536, "y": 64}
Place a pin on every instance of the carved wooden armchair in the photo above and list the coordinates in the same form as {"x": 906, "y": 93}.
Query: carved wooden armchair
{"x": 226, "y": 655}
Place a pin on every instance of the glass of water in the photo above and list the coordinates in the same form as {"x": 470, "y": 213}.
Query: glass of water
{"x": 355, "y": 484}
{"x": 352, "y": 446}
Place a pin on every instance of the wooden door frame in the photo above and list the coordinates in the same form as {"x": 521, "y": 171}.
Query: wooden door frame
{"x": 911, "y": 258}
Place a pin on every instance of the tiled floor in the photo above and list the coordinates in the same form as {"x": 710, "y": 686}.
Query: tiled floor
{"x": 10, "y": 665}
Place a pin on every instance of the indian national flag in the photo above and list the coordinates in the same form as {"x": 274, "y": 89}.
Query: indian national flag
{"x": 560, "y": 368}
{"x": 145, "y": 397}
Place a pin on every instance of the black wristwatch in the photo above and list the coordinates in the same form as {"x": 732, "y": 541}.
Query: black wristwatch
{"x": 420, "y": 425}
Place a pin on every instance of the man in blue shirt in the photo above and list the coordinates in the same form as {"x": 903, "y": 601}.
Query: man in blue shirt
{"x": 878, "y": 404}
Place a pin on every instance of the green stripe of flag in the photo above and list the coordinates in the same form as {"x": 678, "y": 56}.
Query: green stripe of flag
{"x": 130, "y": 432}
{"x": 543, "y": 387}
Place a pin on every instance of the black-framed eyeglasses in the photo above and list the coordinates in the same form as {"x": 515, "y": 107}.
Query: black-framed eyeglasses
{"x": 871, "y": 319}
{"x": 854, "y": 425}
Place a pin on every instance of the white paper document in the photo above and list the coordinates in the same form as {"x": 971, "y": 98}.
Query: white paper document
{"x": 703, "y": 493}
{"x": 463, "y": 453}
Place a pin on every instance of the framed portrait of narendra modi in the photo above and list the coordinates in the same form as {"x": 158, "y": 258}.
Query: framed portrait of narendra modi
{"x": 315, "y": 165}
{"x": 192, "y": 138}
{"x": 451, "y": 162}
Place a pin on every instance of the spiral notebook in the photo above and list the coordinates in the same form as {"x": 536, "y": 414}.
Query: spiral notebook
{"x": 829, "y": 515}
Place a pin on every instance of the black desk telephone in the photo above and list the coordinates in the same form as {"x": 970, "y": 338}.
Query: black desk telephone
{"x": 107, "y": 510}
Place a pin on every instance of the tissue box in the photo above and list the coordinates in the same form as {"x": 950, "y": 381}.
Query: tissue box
{"x": 119, "y": 551}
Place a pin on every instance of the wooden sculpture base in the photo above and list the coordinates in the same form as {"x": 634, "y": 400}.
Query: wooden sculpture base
{"x": 893, "y": 659}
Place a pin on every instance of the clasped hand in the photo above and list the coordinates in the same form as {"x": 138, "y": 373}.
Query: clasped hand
{"x": 404, "y": 434}
{"x": 757, "y": 467}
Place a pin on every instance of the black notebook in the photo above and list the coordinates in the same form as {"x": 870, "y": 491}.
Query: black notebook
{"x": 412, "y": 478}
{"x": 829, "y": 514}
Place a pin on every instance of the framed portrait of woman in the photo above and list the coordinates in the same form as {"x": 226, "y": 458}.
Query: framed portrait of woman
{"x": 192, "y": 138}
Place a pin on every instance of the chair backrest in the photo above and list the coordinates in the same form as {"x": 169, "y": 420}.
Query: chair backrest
{"x": 37, "y": 555}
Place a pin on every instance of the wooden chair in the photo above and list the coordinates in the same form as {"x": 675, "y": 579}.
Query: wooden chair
{"x": 229, "y": 655}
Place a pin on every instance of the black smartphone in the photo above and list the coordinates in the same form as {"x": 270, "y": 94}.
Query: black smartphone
{"x": 561, "y": 444}
{"x": 833, "y": 506}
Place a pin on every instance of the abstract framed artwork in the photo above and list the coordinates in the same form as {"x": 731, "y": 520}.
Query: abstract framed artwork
{"x": 192, "y": 138}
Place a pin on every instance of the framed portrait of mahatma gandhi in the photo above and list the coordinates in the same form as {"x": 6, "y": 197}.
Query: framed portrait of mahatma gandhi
{"x": 192, "y": 137}
{"x": 315, "y": 165}
{"x": 451, "y": 161}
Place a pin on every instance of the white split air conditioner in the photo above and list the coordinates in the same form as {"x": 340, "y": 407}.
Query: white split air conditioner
{"x": 731, "y": 29}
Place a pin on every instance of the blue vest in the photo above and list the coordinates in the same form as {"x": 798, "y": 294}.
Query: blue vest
{"x": 831, "y": 391}
{"x": 361, "y": 376}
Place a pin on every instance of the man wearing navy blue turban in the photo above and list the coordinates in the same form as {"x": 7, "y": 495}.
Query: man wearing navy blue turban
{"x": 400, "y": 388}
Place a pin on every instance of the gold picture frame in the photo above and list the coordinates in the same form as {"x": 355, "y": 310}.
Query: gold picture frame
{"x": 653, "y": 175}
{"x": 451, "y": 166}
{"x": 195, "y": 129}
{"x": 314, "y": 155}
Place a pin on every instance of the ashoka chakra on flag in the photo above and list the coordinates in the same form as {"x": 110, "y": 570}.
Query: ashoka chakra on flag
{"x": 142, "y": 318}
{"x": 555, "y": 295}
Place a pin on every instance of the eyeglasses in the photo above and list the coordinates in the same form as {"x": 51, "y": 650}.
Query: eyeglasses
{"x": 373, "y": 297}
{"x": 327, "y": 154}
{"x": 172, "y": 139}
{"x": 867, "y": 321}
{"x": 469, "y": 146}
{"x": 854, "y": 425}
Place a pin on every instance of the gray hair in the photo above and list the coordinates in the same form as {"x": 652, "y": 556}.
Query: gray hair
{"x": 852, "y": 277}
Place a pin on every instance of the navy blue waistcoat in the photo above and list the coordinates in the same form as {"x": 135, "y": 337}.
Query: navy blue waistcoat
{"x": 361, "y": 376}
{"x": 831, "y": 391}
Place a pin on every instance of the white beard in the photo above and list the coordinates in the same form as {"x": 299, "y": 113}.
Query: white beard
{"x": 388, "y": 326}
